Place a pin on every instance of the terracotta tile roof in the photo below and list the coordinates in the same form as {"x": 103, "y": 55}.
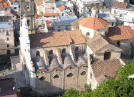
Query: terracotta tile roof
{"x": 38, "y": 2}
{"x": 99, "y": 44}
{"x": 120, "y": 33}
{"x": 108, "y": 68}
{"x": 61, "y": 8}
{"x": 56, "y": 39}
{"x": 47, "y": 15}
{"x": 12, "y": 0}
{"x": 94, "y": 23}
{"x": 51, "y": 14}
{"x": 4, "y": 4}
{"x": 120, "y": 5}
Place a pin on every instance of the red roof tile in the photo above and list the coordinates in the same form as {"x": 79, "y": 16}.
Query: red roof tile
{"x": 120, "y": 33}
{"x": 61, "y": 8}
{"x": 56, "y": 39}
{"x": 94, "y": 23}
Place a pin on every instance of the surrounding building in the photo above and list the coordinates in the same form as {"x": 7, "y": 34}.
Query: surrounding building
{"x": 64, "y": 43}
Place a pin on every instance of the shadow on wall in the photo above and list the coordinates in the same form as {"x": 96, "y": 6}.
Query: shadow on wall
{"x": 55, "y": 82}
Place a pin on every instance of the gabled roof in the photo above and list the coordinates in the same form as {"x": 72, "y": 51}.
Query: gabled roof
{"x": 99, "y": 44}
{"x": 57, "y": 39}
{"x": 120, "y": 5}
{"x": 120, "y": 33}
{"x": 103, "y": 69}
{"x": 94, "y": 23}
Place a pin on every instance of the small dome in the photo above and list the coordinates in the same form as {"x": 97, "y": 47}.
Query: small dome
{"x": 68, "y": 61}
{"x": 54, "y": 64}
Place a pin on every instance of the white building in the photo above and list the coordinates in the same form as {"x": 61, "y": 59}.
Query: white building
{"x": 25, "y": 55}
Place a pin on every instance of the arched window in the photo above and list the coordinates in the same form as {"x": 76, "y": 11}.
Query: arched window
{"x": 87, "y": 34}
{"x": 77, "y": 53}
{"x": 37, "y": 53}
{"x": 42, "y": 78}
{"x": 107, "y": 55}
{"x": 63, "y": 54}
{"x": 69, "y": 75}
{"x": 83, "y": 73}
{"x": 56, "y": 76}
{"x": 118, "y": 43}
{"x": 50, "y": 56}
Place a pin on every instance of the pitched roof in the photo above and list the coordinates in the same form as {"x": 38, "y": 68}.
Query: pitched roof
{"x": 120, "y": 33}
{"x": 47, "y": 15}
{"x": 4, "y": 4}
{"x": 106, "y": 68}
{"x": 120, "y": 5}
{"x": 61, "y": 8}
{"x": 56, "y": 39}
{"x": 94, "y": 23}
{"x": 38, "y": 2}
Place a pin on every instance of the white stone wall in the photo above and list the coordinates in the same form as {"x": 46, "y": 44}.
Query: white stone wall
{"x": 85, "y": 30}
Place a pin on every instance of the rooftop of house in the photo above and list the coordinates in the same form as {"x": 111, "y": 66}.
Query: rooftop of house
{"x": 94, "y": 23}
{"x": 99, "y": 44}
{"x": 106, "y": 69}
{"x": 120, "y": 33}
{"x": 7, "y": 88}
{"x": 5, "y": 3}
{"x": 65, "y": 19}
{"x": 61, "y": 8}
{"x": 47, "y": 15}
{"x": 120, "y": 5}
{"x": 56, "y": 39}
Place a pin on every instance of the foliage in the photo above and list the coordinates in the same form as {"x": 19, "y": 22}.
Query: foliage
{"x": 122, "y": 87}
{"x": 71, "y": 93}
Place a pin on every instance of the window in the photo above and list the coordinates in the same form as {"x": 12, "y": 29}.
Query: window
{"x": 28, "y": 22}
{"x": 63, "y": 54}
{"x": 69, "y": 75}
{"x": 107, "y": 55}
{"x": 7, "y": 45}
{"x": 56, "y": 76}
{"x": 83, "y": 73}
{"x": 7, "y": 39}
{"x": 87, "y": 34}
{"x": 50, "y": 56}
{"x": 37, "y": 53}
{"x": 118, "y": 43}
{"x": 7, "y": 33}
{"x": 42, "y": 78}
{"x": 8, "y": 52}
{"x": 77, "y": 53}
